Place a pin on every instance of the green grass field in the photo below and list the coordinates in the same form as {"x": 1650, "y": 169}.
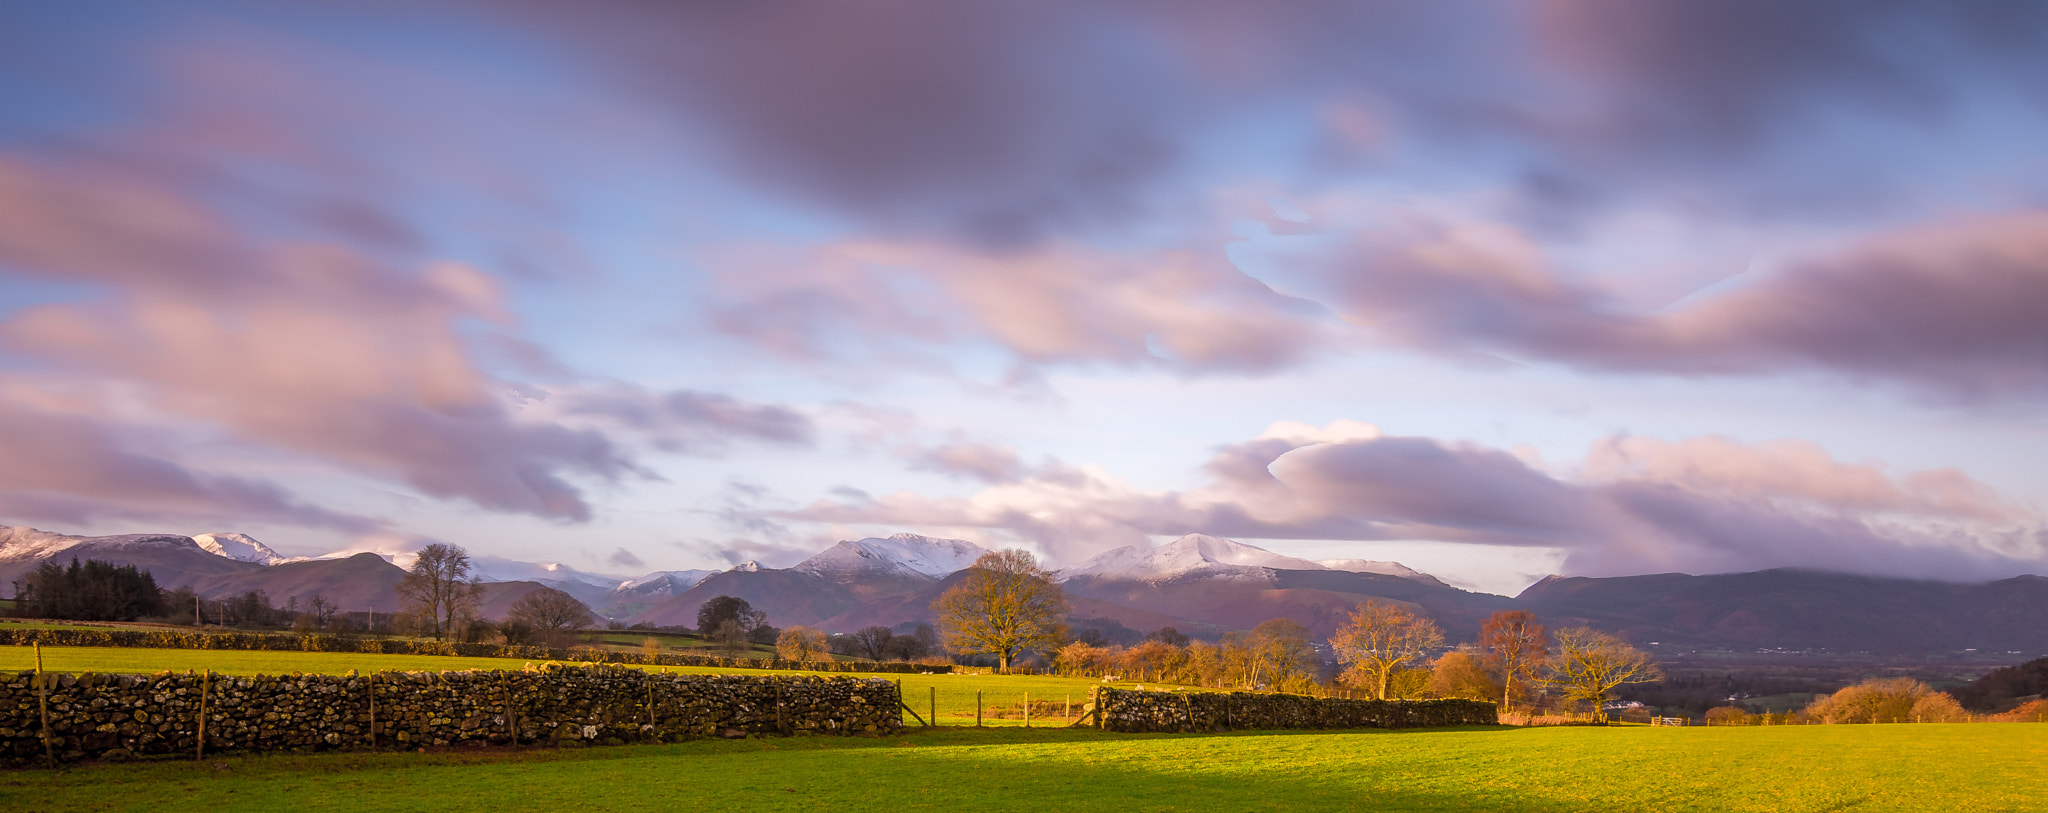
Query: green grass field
{"x": 1982, "y": 767}
{"x": 955, "y": 693}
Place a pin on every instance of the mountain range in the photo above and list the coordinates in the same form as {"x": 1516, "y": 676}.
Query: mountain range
{"x": 1203, "y": 585}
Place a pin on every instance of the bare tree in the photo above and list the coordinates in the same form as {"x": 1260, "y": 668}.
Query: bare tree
{"x": 803, "y": 645}
{"x": 873, "y": 642}
{"x": 439, "y": 588}
{"x": 550, "y": 614}
{"x": 1516, "y": 646}
{"x": 1589, "y": 664}
{"x": 1281, "y": 655}
{"x": 1005, "y": 605}
{"x": 1381, "y": 639}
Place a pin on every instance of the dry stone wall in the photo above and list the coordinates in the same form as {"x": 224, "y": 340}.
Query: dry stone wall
{"x": 1142, "y": 711}
{"x": 124, "y": 716}
{"x": 271, "y": 642}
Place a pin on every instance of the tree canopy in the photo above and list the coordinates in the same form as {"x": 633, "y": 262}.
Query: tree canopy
{"x": 1589, "y": 664}
{"x": 91, "y": 591}
{"x": 1381, "y": 639}
{"x": 1004, "y": 606}
{"x": 550, "y": 612}
{"x": 440, "y": 589}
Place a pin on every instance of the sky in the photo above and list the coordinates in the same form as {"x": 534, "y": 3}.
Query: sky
{"x": 1497, "y": 290}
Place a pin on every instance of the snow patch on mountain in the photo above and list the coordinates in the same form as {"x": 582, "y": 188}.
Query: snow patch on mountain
{"x": 748, "y": 566}
{"x": 1382, "y": 568}
{"x": 28, "y": 543}
{"x": 552, "y": 574}
{"x": 664, "y": 582}
{"x": 927, "y": 556}
{"x": 240, "y": 547}
{"x": 21, "y": 543}
{"x": 1184, "y": 555}
{"x": 1218, "y": 556}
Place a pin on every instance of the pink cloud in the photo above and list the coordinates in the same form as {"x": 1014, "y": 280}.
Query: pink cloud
{"x": 316, "y": 350}
{"x": 69, "y": 468}
{"x": 1179, "y": 309}
{"x": 1702, "y": 505}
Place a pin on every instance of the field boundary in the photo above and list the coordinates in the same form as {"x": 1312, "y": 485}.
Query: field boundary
{"x": 54, "y": 717}
{"x": 1134, "y": 711}
{"x": 300, "y": 642}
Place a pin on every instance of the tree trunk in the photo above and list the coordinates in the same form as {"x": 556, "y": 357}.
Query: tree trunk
{"x": 1385, "y": 675}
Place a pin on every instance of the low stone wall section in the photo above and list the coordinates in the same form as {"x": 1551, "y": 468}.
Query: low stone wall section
{"x": 1128, "y": 710}
{"x": 124, "y": 716}
{"x": 318, "y": 642}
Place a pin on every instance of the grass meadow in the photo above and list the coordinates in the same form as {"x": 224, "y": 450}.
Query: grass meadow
{"x": 1980, "y": 767}
{"x": 1967, "y": 767}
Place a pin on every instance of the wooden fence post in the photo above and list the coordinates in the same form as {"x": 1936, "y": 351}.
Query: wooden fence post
{"x": 1027, "y": 709}
{"x": 977, "y": 708}
{"x": 43, "y": 705}
{"x": 935, "y": 705}
{"x": 205, "y": 682}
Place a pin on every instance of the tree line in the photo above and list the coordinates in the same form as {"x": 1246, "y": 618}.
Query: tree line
{"x": 1008, "y": 605}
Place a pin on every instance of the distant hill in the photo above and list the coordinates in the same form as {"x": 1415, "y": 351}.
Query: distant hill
{"x": 171, "y": 559}
{"x": 1802, "y": 609}
{"x": 1203, "y": 585}
{"x": 2005, "y": 688}
{"x": 360, "y": 582}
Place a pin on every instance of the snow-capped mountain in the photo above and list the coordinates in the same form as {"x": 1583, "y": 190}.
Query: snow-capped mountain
{"x": 21, "y": 543}
{"x": 18, "y": 543}
{"x": 171, "y": 558}
{"x": 495, "y": 569}
{"x": 673, "y": 581}
{"x": 1218, "y": 556}
{"x": 1181, "y": 556}
{"x": 1383, "y": 568}
{"x": 748, "y": 566}
{"x": 240, "y": 547}
{"x": 924, "y": 555}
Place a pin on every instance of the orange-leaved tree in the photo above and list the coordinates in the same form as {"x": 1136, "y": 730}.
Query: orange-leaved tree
{"x": 1005, "y": 605}
{"x": 803, "y": 645}
{"x": 1589, "y": 664}
{"x": 1516, "y": 646}
{"x": 1380, "y": 639}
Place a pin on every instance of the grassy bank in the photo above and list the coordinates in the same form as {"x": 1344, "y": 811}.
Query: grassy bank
{"x": 1902, "y": 767}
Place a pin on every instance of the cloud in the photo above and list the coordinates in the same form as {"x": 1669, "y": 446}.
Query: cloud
{"x": 73, "y": 469}
{"x": 1183, "y": 310}
{"x": 323, "y": 351}
{"x": 1701, "y": 505}
{"x": 917, "y": 117}
{"x": 1004, "y": 126}
{"x": 685, "y": 420}
{"x": 624, "y": 558}
{"x": 985, "y": 462}
{"x": 1946, "y": 310}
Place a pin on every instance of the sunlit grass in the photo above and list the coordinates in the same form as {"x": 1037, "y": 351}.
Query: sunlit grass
{"x": 1799, "y": 768}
